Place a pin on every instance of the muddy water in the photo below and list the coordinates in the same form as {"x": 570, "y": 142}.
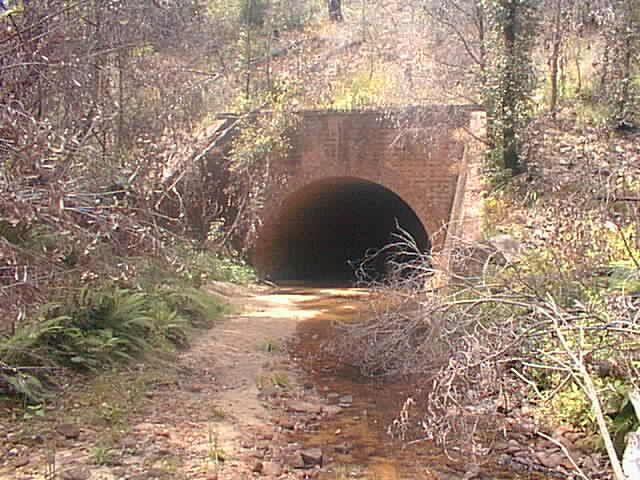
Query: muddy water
{"x": 356, "y": 441}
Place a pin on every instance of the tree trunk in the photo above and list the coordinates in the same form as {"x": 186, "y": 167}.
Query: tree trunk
{"x": 555, "y": 57}
{"x": 335, "y": 10}
{"x": 510, "y": 157}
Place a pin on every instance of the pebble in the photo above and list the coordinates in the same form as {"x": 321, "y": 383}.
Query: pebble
{"x": 68, "y": 431}
{"x": 20, "y": 462}
{"x": 271, "y": 469}
{"x": 553, "y": 460}
{"x": 295, "y": 460}
{"x": 78, "y": 473}
{"x": 343, "y": 448}
{"x": 332, "y": 410}
{"x": 303, "y": 407}
{"x": 333, "y": 398}
{"x": 286, "y": 423}
{"x": 513, "y": 446}
{"x": 312, "y": 456}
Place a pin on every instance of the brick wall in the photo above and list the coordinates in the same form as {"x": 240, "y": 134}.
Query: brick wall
{"x": 418, "y": 154}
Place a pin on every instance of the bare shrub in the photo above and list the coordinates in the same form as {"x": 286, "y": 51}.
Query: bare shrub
{"x": 512, "y": 332}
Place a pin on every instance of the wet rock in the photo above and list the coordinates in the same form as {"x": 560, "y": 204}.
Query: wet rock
{"x": 298, "y": 406}
{"x": 68, "y": 431}
{"x": 286, "y": 423}
{"x": 332, "y": 410}
{"x": 343, "y": 448}
{"x": 514, "y": 446}
{"x": 271, "y": 469}
{"x": 78, "y": 473}
{"x": 20, "y": 462}
{"x": 14, "y": 437}
{"x": 553, "y": 460}
{"x": 333, "y": 398}
{"x": 295, "y": 460}
{"x": 265, "y": 434}
{"x": 312, "y": 456}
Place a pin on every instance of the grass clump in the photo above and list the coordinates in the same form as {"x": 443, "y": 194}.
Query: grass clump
{"x": 141, "y": 305}
{"x": 269, "y": 346}
{"x": 103, "y": 456}
{"x": 277, "y": 379}
{"x": 215, "y": 452}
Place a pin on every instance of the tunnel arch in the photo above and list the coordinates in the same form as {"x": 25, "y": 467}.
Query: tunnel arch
{"x": 323, "y": 230}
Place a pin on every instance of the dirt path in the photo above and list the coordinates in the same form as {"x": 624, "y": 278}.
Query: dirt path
{"x": 224, "y": 411}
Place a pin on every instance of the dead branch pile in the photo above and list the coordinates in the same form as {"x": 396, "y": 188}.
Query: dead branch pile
{"x": 481, "y": 346}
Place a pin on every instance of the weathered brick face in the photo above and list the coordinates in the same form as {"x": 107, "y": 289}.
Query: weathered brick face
{"x": 417, "y": 154}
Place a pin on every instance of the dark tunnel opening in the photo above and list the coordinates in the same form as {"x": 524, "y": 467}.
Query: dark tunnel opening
{"x": 323, "y": 232}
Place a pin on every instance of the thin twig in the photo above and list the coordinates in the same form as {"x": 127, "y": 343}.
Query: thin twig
{"x": 566, "y": 452}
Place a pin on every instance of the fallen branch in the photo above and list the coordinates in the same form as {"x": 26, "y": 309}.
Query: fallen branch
{"x": 584, "y": 380}
{"x": 566, "y": 452}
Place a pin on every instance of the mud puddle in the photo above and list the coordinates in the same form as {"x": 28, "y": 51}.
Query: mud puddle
{"x": 357, "y": 440}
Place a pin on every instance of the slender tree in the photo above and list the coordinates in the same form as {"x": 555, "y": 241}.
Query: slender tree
{"x": 335, "y": 10}
{"x": 507, "y": 94}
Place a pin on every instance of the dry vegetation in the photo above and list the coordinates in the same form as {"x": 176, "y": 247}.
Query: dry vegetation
{"x": 100, "y": 99}
{"x": 554, "y": 326}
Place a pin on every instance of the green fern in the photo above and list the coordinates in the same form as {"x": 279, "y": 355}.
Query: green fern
{"x": 624, "y": 276}
{"x": 99, "y": 327}
{"x": 27, "y": 386}
{"x": 28, "y": 345}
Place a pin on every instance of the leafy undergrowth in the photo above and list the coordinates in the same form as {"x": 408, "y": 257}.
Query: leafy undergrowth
{"x": 149, "y": 306}
{"x": 99, "y": 327}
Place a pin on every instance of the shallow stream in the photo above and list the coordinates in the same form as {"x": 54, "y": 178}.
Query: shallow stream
{"x": 357, "y": 439}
